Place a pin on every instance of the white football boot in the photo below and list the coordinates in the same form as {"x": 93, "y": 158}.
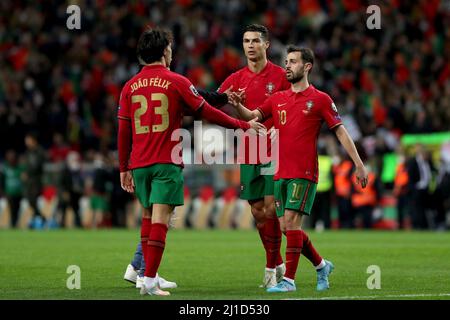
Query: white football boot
{"x": 130, "y": 274}
{"x": 164, "y": 284}
{"x": 153, "y": 289}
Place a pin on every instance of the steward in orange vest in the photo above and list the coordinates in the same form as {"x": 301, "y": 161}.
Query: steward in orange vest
{"x": 364, "y": 201}
{"x": 400, "y": 192}
{"x": 342, "y": 173}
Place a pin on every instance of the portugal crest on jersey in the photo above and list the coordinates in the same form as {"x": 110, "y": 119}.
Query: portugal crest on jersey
{"x": 270, "y": 87}
{"x": 309, "y": 106}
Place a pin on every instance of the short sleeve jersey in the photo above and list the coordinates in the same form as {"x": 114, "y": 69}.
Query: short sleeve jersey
{"x": 153, "y": 100}
{"x": 299, "y": 117}
{"x": 258, "y": 87}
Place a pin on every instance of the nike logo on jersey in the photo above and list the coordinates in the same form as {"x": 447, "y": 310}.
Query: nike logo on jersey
{"x": 242, "y": 89}
{"x": 281, "y": 104}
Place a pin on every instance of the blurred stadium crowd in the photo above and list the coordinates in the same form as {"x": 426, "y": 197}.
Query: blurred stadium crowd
{"x": 63, "y": 86}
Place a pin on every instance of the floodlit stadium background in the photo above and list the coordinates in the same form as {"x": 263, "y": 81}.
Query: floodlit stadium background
{"x": 391, "y": 86}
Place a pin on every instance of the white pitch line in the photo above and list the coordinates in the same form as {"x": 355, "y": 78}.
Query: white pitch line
{"x": 378, "y": 296}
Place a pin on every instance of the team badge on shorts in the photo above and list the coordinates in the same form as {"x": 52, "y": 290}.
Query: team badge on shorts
{"x": 277, "y": 203}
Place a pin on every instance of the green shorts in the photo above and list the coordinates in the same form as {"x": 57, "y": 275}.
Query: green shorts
{"x": 255, "y": 185}
{"x": 99, "y": 202}
{"x": 294, "y": 194}
{"x": 159, "y": 183}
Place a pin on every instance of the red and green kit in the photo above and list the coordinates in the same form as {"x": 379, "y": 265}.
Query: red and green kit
{"x": 298, "y": 117}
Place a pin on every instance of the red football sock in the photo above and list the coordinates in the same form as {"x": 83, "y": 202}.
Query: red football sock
{"x": 261, "y": 231}
{"x": 156, "y": 244}
{"x": 293, "y": 250}
{"x": 309, "y": 251}
{"x": 145, "y": 231}
{"x": 272, "y": 237}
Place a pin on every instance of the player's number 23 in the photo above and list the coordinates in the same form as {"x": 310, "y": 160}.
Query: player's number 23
{"x": 160, "y": 110}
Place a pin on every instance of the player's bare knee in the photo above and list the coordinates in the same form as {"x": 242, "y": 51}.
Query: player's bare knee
{"x": 292, "y": 220}
{"x": 259, "y": 215}
{"x": 258, "y": 211}
{"x": 289, "y": 224}
{"x": 147, "y": 213}
{"x": 161, "y": 213}
{"x": 270, "y": 211}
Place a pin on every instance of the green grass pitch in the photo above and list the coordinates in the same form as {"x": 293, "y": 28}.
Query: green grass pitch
{"x": 215, "y": 264}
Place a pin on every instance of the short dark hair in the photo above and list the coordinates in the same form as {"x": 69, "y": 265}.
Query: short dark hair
{"x": 307, "y": 53}
{"x": 258, "y": 28}
{"x": 151, "y": 44}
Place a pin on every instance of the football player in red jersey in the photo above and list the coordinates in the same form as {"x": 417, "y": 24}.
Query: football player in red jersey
{"x": 298, "y": 114}
{"x": 135, "y": 270}
{"x": 256, "y": 82}
{"x": 150, "y": 110}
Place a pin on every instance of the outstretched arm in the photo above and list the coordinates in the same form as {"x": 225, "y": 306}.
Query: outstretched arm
{"x": 218, "y": 99}
{"x": 222, "y": 119}
{"x": 214, "y": 98}
{"x": 349, "y": 146}
{"x": 246, "y": 114}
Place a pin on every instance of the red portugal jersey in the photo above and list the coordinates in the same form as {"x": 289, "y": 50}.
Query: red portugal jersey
{"x": 153, "y": 101}
{"x": 299, "y": 116}
{"x": 258, "y": 87}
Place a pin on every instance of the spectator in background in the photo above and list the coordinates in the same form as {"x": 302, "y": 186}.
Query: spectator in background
{"x": 119, "y": 198}
{"x": 365, "y": 201}
{"x": 420, "y": 169}
{"x": 401, "y": 191}
{"x": 34, "y": 160}
{"x": 59, "y": 149}
{"x": 11, "y": 184}
{"x": 441, "y": 196}
{"x": 321, "y": 210}
{"x": 71, "y": 188}
{"x": 101, "y": 192}
{"x": 342, "y": 172}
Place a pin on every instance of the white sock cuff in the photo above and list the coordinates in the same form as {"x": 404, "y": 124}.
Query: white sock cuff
{"x": 291, "y": 281}
{"x": 321, "y": 265}
{"x": 270, "y": 269}
{"x": 280, "y": 265}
